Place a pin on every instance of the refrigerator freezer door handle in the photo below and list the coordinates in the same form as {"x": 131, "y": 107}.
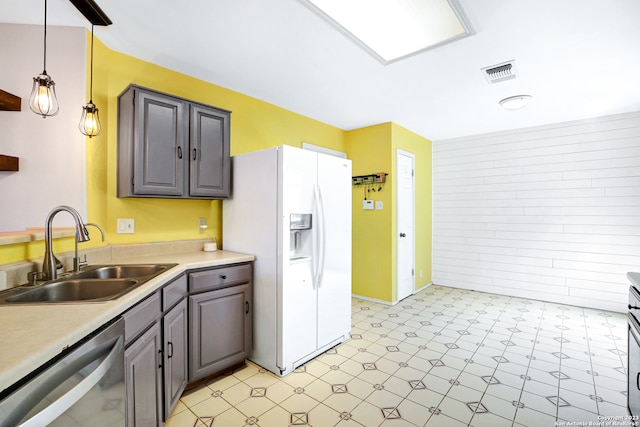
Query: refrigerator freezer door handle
{"x": 316, "y": 254}
{"x": 323, "y": 238}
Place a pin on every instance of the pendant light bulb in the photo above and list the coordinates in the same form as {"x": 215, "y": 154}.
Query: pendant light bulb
{"x": 43, "y": 100}
{"x": 90, "y": 121}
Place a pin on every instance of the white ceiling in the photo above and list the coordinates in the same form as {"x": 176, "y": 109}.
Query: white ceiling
{"x": 578, "y": 58}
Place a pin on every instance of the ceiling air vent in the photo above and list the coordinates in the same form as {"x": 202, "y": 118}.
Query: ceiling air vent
{"x": 500, "y": 72}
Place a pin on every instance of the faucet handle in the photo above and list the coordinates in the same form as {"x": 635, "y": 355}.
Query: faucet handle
{"x": 78, "y": 264}
{"x": 34, "y": 276}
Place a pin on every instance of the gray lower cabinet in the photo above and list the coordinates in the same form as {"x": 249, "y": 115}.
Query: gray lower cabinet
{"x": 220, "y": 319}
{"x": 156, "y": 354}
{"x": 184, "y": 332}
{"x": 143, "y": 379}
{"x": 171, "y": 147}
{"x": 174, "y": 327}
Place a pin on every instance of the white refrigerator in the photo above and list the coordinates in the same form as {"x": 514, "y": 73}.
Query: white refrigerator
{"x": 291, "y": 208}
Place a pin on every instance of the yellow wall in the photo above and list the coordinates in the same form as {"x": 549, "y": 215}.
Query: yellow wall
{"x": 254, "y": 125}
{"x": 373, "y": 149}
{"x": 370, "y": 152}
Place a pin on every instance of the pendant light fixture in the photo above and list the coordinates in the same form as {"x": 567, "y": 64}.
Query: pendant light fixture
{"x": 90, "y": 121}
{"x": 43, "y": 98}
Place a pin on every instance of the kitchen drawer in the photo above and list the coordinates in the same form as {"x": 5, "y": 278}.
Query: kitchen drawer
{"x": 140, "y": 317}
{"x": 174, "y": 292}
{"x": 219, "y": 278}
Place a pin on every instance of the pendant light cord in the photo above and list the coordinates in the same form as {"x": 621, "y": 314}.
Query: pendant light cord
{"x": 91, "y": 73}
{"x": 45, "y": 38}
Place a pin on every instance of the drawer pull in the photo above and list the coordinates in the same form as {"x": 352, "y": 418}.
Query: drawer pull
{"x": 223, "y": 276}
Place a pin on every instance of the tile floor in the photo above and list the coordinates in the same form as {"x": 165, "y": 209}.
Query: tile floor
{"x": 443, "y": 357}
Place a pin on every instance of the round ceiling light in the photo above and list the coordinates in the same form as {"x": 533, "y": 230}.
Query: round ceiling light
{"x": 515, "y": 102}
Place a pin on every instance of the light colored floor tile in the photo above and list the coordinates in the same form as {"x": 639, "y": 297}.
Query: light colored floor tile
{"x": 464, "y": 394}
{"x": 359, "y": 388}
{"x": 323, "y": 416}
{"x": 367, "y": 414}
{"x": 279, "y": 391}
{"x": 490, "y": 420}
{"x": 195, "y": 396}
{"x": 299, "y": 403}
{"x": 255, "y": 406}
{"x": 276, "y": 416}
{"x": 211, "y": 407}
{"x": 421, "y": 361}
{"x": 236, "y": 394}
{"x": 231, "y": 417}
{"x": 504, "y": 407}
{"x": 181, "y": 419}
{"x": 456, "y": 410}
{"x": 298, "y": 379}
{"x": 503, "y": 391}
{"x": 247, "y": 371}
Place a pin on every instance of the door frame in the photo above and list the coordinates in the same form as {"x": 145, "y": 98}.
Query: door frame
{"x": 412, "y": 156}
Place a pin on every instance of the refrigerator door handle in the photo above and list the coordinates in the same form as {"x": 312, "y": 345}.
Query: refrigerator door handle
{"x": 316, "y": 253}
{"x": 323, "y": 238}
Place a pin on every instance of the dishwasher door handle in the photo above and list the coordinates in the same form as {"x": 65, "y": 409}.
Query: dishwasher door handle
{"x": 67, "y": 400}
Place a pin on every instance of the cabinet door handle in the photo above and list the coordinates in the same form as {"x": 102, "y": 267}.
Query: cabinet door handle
{"x": 223, "y": 276}
{"x": 246, "y": 311}
{"x": 170, "y": 352}
{"x": 179, "y": 152}
{"x": 638, "y": 380}
{"x": 194, "y": 154}
{"x": 160, "y": 358}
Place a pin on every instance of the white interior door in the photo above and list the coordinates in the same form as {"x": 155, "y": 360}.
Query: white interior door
{"x": 405, "y": 217}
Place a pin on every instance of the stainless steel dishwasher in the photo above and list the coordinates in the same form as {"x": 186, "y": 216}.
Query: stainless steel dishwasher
{"x": 82, "y": 387}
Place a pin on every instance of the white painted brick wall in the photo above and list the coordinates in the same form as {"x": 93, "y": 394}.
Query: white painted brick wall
{"x": 550, "y": 213}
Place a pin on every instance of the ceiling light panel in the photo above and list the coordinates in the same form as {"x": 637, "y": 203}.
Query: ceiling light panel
{"x": 394, "y": 29}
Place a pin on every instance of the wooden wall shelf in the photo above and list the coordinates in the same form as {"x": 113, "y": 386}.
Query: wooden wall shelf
{"x": 9, "y": 102}
{"x": 9, "y": 163}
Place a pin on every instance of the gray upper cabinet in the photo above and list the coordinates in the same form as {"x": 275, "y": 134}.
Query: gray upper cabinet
{"x": 169, "y": 147}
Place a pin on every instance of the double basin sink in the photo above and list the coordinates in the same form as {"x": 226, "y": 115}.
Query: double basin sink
{"x": 94, "y": 284}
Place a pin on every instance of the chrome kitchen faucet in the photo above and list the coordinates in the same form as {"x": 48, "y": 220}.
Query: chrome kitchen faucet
{"x": 51, "y": 264}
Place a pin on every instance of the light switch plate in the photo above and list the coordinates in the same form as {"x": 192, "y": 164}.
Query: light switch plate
{"x": 367, "y": 205}
{"x": 125, "y": 226}
{"x": 379, "y": 205}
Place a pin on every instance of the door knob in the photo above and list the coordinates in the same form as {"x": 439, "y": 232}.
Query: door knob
{"x": 403, "y": 235}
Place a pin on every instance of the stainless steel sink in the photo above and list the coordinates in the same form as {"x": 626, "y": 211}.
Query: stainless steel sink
{"x": 76, "y": 290}
{"x": 95, "y": 284}
{"x": 122, "y": 271}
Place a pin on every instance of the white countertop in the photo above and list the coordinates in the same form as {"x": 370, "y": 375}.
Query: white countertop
{"x": 31, "y": 335}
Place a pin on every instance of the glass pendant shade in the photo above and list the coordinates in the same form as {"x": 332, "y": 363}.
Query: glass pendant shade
{"x": 90, "y": 121}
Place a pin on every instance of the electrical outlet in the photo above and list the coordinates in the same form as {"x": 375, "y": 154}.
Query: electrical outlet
{"x": 125, "y": 226}
{"x": 202, "y": 224}
{"x": 367, "y": 205}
